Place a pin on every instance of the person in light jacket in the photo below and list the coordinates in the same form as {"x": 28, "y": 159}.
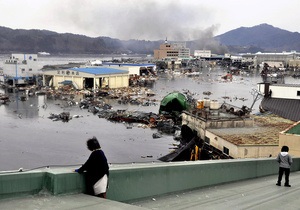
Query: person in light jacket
{"x": 97, "y": 170}
{"x": 285, "y": 161}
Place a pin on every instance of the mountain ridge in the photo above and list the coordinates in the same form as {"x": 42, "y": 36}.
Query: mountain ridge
{"x": 263, "y": 38}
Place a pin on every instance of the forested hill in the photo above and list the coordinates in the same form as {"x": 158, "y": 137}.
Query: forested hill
{"x": 262, "y": 38}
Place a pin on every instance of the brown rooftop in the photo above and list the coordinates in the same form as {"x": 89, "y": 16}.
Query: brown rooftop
{"x": 264, "y": 132}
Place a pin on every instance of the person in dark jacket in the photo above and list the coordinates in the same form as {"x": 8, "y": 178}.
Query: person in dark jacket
{"x": 96, "y": 168}
{"x": 285, "y": 161}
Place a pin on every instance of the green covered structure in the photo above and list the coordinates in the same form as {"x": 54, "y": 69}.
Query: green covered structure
{"x": 173, "y": 102}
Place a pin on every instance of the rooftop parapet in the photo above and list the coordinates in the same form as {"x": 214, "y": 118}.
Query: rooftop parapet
{"x": 138, "y": 181}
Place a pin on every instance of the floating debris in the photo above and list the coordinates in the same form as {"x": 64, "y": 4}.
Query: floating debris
{"x": 156, "y": 135}
{"x": 64, "y": 116}
{"x": 23, "y": 98}
{"x": 4, "y": 99}
{"x": 208, "y": 93}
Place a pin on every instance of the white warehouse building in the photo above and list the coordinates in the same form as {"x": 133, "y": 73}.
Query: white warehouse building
{"x": 88, "y": 77}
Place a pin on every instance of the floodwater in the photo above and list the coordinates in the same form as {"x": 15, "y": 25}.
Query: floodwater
{"x": 29, "y": 139}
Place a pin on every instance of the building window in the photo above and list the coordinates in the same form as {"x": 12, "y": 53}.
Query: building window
{"x": 30, "y": 70}
{"x": 62, "y": 72}
{"x": 58, "y": 72}
{"x": 298, "y": 93}
{"x": 72, "y": 72}
{"x": 226, "y": 150}
{"x": 207, "y": 140}
{"x": 23, "y": 70}
{"x": 77, "y": 73}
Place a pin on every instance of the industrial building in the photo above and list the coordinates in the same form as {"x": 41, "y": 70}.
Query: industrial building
{"x": 88, "y": 77}
{"x": 202, "y": 54}
{"x": 138, "y": 69}
{"x": 21, "y": 69}
{"x": 280, "y": 99}
{"x": 284, "y": 57}
{"x": 235, "y": 132}
{"x": 279, "y": 60}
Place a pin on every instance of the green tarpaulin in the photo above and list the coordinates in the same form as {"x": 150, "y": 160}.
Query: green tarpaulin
{"x": 173, "y": 102}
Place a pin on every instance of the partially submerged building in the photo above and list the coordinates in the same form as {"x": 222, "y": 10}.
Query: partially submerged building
{"x": 235, "y": 132}
{"x": 98, "y": 74}
{"x": 172, "y": 53}
{"x": 281, "y": 99}
{"x": 21, "y": 69}
{"x": 88, "y": 77}
{"x": 283, "y": 57}
{"x": 138, "y": 69}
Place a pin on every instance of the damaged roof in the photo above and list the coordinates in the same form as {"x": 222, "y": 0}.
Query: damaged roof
{"x": 265, "y": 131}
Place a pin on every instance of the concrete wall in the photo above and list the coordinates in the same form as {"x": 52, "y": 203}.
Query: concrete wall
{"x": 284, "y": 92}
{"x": 253, "y": 151}
{"x": 138, "y": 181}
{"x": 194, "y": 123}
{"x": 292, "y": 141}
{"x": 201, "y": 125}
{"x": 291, "y": 138}
{"x": 242, "y": 151}
{"x": 118, "y": 81}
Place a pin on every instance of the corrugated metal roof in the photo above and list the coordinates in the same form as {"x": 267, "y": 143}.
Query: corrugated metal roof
{"x": 286, "y": 108}
{"x": 100, "y": 71}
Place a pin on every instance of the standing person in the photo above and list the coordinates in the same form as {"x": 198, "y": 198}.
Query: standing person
{"x": 285, "y": 161}
{"x": 96, "y": 168}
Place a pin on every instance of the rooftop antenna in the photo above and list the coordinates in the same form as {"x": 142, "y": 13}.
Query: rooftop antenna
{"x": 166, "y": 41}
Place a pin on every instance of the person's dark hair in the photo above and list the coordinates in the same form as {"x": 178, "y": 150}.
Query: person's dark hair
{"x": 284, "y": 149}
{"x": 93, "y": 144}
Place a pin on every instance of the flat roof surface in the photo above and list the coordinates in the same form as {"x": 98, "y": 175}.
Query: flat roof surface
{"x": 260, "y": 193}
{"x": 100, "y": 70}
{"x": 265, "y": 131}
{"x": 75, "y": 201}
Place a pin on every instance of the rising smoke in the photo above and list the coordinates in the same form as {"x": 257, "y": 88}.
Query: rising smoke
{"x": 143, "y": 20}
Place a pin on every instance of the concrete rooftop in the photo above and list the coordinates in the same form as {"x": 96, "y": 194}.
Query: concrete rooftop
{"x": 259, "y": 193}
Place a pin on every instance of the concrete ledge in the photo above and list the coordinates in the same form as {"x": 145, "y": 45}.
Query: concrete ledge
{"x": 130, "y": 182}
{"x": 64, "y": 182}
{"x": 20, "y": 184}
{"x": 140, "y": 181}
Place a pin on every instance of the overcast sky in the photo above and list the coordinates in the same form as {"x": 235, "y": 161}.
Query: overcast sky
{"x": 148, "y": 19}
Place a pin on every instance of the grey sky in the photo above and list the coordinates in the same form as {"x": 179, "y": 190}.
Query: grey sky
{"x": 148, "y": 19}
